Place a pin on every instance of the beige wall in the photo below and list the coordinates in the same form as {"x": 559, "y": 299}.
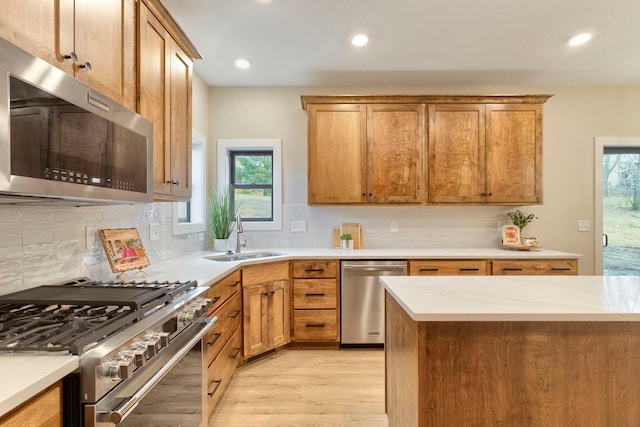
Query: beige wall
{"x": 572, "y": 118}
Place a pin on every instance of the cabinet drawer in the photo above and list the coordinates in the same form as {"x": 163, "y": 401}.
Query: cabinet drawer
{"x": 315, "y": 269}
{"x": 222, "y": 368}
{"x": 449, "y": 267}
{"x": 536, "y": 267}
{"x": 314, "y": 293}
{"x": 265, "y": 273}
{"x": 223, "y": 289}
{"x": 315, "y": 325}
{"x": 229, "y": 320}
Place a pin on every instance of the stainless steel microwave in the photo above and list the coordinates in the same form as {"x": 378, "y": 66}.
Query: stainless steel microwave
{"x": 62, "y": 141}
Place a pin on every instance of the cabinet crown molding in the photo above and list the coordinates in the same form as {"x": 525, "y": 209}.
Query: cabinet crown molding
{"x": 423, "y": 99}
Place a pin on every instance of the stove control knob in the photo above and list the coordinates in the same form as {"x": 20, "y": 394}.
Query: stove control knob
{"x": 140, "y": 358}
{"x": 126, "y": 369}
{"x": 153, "y": 346}
{"x": 165, "y": 338}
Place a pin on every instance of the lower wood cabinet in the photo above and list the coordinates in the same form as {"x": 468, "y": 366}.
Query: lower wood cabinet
{"x": 266, "y": 307}
{"x": 485, "y": 267}
{"x": 45, "y": 409}
{"x": 535, "y": 267}
{"x": 442, "y": 267}
{"x": 316, "y": 305}
{"x": 224, "y": 340}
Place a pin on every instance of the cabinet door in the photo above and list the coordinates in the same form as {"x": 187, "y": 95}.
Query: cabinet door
{"x": 336, "y": 150}
{"x": 105, "y": 38}
{"x": 180, "y": 122}
{"x": 395, "y": 139}
{"x": 153, "y": 100}
{"x": 514, "y": 153}
{"x": 256, "y": 323}
{"x": 33, "y": 26}
{"x": 456, "y": 153}
{"x": 279, "y": 313}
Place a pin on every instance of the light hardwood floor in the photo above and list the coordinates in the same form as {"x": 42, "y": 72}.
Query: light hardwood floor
{"x": 306, "y": 387}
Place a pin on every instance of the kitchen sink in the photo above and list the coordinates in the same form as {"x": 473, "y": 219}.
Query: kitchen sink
{"x": 241, "y": 256}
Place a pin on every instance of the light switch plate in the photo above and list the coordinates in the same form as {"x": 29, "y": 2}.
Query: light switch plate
{"x": 583, "y": 225}
{"x": 394, "y": 226}
{"x": 298, "y": 226}
{"x": 154, "y": 231}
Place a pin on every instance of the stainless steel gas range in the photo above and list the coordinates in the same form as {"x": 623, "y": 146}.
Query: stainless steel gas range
{"x": 140, "y": 346}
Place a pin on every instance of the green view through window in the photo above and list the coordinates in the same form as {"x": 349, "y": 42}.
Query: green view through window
{"x": 252, "y": 184}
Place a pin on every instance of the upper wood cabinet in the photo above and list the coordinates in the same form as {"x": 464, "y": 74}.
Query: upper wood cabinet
{"x": 479, "y": 149}
{"x": 165, "y": 99}
{"x": 93, "y": 41}
{"x": 365, "y": 153}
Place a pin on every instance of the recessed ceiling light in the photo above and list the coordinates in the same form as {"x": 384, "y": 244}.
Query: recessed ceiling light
{"x": 243, "y": 63}
{"x": 579, "y": 39}
{"x": 360, "y": 40}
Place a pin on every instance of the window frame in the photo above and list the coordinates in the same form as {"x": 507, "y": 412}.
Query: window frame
{"x": 199, "y": 142}
{"x": 226, "y": 146}
{"x": 234, "y": 186}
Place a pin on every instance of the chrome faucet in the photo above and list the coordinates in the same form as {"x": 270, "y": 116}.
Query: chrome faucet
{"x": 239, "y": 230}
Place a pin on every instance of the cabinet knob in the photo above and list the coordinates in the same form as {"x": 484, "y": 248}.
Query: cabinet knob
{"x": 72, "y": 56}
{"x": 86, "y": 66}
{"x": 173, "y": 182}
{"x": 364, "y": 194}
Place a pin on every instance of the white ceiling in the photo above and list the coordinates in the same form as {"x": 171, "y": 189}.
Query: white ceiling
{"x": 413, "y": 42}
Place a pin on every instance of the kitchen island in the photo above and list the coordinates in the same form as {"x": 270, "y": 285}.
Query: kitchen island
{"x": 525, "y": 351}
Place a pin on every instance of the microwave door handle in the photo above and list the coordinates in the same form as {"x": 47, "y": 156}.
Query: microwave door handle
{"x": 121, "y": 412}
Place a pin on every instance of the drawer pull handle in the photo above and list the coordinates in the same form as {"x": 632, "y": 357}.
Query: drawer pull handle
{"x": 235, "y": 314}
{"x": 217, "y": 335}
{"x": 234, "y": 284}
{"x": 313, "y": 295}
{"x": 212, "y": 392}
{"x": 560, "y": 268}
{"x": 469, "y": 269}
{"x": 423, "y": 270}
{"x": 315, "y": 325}
{"x": 314, "y": 270}
{"x": 233, "y": 356}
{"x": 215, "y": 299}
{"x": 512, "y": 269}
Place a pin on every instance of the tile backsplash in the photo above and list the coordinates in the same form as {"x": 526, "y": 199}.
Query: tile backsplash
{"x": 41, "y": 245}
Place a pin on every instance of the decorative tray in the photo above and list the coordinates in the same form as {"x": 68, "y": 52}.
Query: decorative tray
{"x": 521, "y": 247}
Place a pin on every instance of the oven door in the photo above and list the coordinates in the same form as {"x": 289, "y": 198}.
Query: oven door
{"x": 170, "y": 390}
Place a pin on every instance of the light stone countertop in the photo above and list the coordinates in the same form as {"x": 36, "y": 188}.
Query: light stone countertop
{"x": 25, "y": 375}
{"x": 517, "y": 298}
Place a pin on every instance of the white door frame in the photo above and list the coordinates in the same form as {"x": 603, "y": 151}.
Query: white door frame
{"x": 600, "y": 143}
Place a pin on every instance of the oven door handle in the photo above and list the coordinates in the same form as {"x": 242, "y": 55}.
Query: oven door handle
{"x": 125, "y": 408}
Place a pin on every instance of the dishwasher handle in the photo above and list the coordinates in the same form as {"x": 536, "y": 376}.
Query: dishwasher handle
{"x": 373, "y": 267}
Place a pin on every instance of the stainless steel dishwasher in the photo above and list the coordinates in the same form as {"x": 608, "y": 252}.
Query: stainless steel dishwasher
{"x": 362, "y": 300}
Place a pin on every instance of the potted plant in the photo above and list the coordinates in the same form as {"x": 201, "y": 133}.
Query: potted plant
{"x": 222, "y": 216}
{"x": 520, "y": 219}
{"x": 347, "y": 241}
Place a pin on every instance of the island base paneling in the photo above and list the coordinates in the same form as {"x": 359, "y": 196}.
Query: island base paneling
{"x": 510, "y": 373}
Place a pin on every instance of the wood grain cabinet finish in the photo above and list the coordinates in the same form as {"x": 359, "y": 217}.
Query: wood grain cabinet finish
{"x": 164, "y": 97}
{"x": 224, "y": 341}
{"x": 459, "y": 267}
{"x": 535, "y": 267}
{"x": 365, "y": 153}
{"x": 485, "y": 154}
{"x": 101, "y": 36}
{"x": 266, "y": 307}
{"x": 45, "y": 409}
{"x": 484, "y": 149}
{"x": 316, "y": 302}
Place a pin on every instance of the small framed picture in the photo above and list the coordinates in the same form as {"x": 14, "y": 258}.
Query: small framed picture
{"x": 124, "y": 249}
{"x": 510, "y": 235}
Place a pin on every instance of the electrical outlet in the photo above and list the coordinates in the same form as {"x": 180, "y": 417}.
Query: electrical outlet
{"x": 583, "y": 225}
{"x": 298, "y": 226}
{"x": 200, "y": 237}
{"x": 394, "y": 226}
{"x": 154, "y": 231}
{"x": 91, "y": 233}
